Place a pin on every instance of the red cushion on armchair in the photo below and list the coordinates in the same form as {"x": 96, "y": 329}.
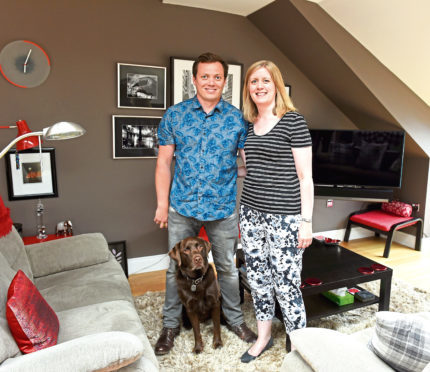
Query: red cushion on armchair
{"x": 379, "y": 219}
{"x": 32, "y": 322}
{"x": 398, "y": 208}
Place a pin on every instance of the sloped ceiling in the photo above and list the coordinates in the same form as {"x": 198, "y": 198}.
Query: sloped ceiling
{"x": 399, "y": 39}
{"x": 333, "y": 60}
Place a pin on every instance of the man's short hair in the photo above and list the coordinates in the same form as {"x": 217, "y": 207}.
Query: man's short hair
{"x": 209, "y": 57}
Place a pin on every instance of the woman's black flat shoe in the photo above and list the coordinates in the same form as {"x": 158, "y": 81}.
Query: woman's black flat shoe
{"x": 246, "y": 357}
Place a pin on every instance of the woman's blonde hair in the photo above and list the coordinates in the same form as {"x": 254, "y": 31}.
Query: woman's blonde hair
{"x": 283, "y": 102}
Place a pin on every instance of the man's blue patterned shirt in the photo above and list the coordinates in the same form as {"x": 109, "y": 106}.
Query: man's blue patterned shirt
{"x": 204, "y": 184}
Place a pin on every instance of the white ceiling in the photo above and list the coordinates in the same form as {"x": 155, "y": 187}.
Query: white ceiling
{"x": 239, "y": 7}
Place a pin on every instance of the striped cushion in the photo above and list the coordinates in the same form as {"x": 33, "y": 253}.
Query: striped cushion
{"x": 402, "y": 340}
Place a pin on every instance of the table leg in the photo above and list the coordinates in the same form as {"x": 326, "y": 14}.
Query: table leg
{"x": 385, "y": 292}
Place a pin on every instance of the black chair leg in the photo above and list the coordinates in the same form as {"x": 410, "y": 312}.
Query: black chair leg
{"x": 388, "y": 243}
{"x": 288, "y": 343}
{"x": 418, "y": 236}
{"x": 347, "y": 231}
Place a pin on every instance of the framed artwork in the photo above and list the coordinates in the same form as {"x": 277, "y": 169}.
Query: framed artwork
{"x": 135, "y": 136}
{"x": 119, "y": 251}
{"x": 142, "y": 87}
{"x": 31, "y": 174}
{"x": 183, "y": 88}
{"x": 288, "y": 89}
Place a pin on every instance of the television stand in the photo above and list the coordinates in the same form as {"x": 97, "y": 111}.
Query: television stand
{"x": 354, "y": 193}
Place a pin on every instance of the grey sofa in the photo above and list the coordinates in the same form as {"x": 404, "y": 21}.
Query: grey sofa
{"x": 86, "y": 287}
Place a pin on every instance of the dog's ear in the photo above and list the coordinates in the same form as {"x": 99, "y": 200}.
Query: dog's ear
{"x": 207, "y": 246}
{"x": 175, "y": 253}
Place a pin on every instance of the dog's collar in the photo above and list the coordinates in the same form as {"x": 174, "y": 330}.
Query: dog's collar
{"x": 195, "y": 282}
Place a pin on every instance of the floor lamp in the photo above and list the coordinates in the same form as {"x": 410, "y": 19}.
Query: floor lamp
{"x": 26, "y": 139}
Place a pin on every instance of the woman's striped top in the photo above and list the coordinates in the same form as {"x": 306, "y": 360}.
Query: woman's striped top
{"x": 271, "y": 184}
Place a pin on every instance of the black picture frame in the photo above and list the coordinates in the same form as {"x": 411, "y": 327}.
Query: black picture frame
{"x": 182, "y": 87}
{"x": 29, "y": 177}
{"x": 119, "y": 251}
{"x": 135, "y": 136}
{"x": 141, "y": 86}
{"x": 288, "y": 89}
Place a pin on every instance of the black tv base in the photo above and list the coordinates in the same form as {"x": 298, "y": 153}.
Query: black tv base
{"x": 354, "y": 192}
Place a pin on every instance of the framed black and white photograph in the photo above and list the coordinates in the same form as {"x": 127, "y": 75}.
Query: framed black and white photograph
{"x": 288, "y": 89}
{"x": 182, "y": 86}
{"x": 142, "y": 87}
{"x": 31, "y": 174}
{"x": 135, "y": 136}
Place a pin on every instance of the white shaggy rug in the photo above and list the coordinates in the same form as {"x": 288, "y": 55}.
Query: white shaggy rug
{"x": 404, "y": 298}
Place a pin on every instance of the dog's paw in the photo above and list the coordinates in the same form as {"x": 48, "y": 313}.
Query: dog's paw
{"x": 217, "y": 343}
{"x": 198, "y": 349}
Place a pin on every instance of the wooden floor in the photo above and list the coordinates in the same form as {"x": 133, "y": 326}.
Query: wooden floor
{"x": 408, "y": 265}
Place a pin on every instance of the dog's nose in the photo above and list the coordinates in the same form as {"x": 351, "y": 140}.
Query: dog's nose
{"x": 198, "y": 260}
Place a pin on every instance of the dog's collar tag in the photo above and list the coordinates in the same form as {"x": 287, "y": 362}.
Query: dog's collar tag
{"x": 195, "y": 282}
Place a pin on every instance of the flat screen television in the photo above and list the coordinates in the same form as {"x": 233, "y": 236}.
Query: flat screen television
{"x": 358, "y": 158}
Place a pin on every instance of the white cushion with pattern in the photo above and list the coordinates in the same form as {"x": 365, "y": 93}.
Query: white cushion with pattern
{"x": 402, "y": 340}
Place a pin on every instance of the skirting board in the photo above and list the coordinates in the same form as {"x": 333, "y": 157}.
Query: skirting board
{"x": 161, "y": 261}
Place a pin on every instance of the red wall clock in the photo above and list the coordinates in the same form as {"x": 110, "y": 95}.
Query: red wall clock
{"x": 24, "y": 64}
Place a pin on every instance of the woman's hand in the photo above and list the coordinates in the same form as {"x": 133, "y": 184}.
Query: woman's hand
{"x": 305, "y": 235}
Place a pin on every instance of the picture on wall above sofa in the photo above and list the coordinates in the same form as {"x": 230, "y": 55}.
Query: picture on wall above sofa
{"x": 31, "y": 174}
{"x": 142, "y": 87}
{"x": 182, "y": 82}
{"x": 135, "y": 136}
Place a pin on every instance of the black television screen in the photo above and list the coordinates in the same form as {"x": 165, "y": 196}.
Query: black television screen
{"x": 357, "y": 158}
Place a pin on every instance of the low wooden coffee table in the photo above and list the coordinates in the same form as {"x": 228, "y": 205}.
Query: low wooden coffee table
{"x": 336, "y": 267}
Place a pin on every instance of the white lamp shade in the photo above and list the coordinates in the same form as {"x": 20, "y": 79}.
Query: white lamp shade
{"x": 63, "y": 130}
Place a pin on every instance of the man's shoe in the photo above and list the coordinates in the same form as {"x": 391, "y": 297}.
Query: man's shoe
{"x": 246, "y": 357}
{"x": 166, "y": 340}
{"x": 243, "y": 332}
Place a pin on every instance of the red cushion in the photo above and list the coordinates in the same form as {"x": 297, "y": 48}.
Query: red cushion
{"x": 32, "y": 322}
{"x": 379, "y": 219}
{"x": 5, "y": 221}
{"x": 397, "y": 208}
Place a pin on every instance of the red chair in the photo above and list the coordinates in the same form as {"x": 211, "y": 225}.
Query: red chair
{"x": 383, "y": 222}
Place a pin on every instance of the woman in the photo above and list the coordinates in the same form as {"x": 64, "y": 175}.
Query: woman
{"x": 276, "y": 203}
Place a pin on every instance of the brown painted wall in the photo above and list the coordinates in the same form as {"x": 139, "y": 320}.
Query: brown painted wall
{"x": 85, "y": 40}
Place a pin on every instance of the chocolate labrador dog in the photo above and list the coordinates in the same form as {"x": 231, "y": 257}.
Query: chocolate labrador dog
{"x": 198, "y": 287}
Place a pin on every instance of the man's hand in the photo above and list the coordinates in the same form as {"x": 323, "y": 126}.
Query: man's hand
{"x": 161, "y": 217}
{"x": 305, "y": 235}
{"x": 241, "y": 171}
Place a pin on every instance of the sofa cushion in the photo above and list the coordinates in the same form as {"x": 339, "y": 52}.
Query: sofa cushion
{"x": 106, "y": 351}
{"x": 6, "y": 276}
{"x": 8, "y": 346}
{"x": 104, "y": 317}
{"x": 328, "y": 350}
{"x": 67, "y": 254}
{"x": 85, "y": 286}
{"x": 33, "y": 323}
{"x": 12, "y": 248}
{"x": 402, "y": 340}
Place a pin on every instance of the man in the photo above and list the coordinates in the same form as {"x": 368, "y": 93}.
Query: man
{"x": 205, "y": 133}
